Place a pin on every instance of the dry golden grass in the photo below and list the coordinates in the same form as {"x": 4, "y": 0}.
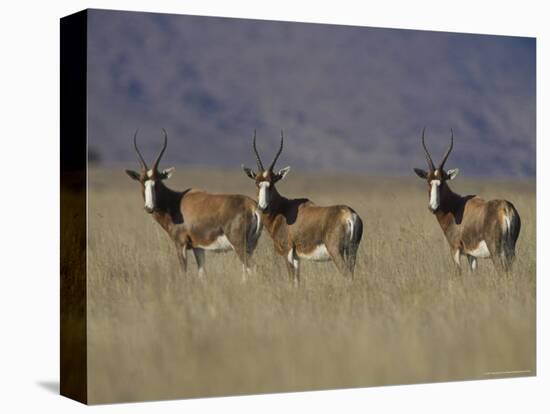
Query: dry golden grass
{"x": 154, "y": 333}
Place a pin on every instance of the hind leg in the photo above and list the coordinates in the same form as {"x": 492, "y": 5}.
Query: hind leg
{"x": 243, "y": 235}
{"x": 508, "y": 256}
{"x": 293, "y": 267}
{"x": 338, "y": 257}
{"x": 502, "y": 262}
{"x": 181, "y": 252}
{"x": 350, "y": 257}
{"x": 336, "y": 247}
{"x": 247, "y": 264}
{"x": 200, "y": 259}
{"x": 472, "y": 261}
{"x": 501, "y": 256}
{"x": 245, "y": 259}
{"x": 240, "y": 246}
{"x": 509, "y": 260}
{"x": 456, "y": 259}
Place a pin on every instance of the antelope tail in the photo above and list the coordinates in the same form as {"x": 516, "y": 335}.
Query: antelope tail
{"x": 254, "y": 231}
{"x": 354, "y": 234}
{"x": 511, "y": 225}
{"x": 258, "y": 223}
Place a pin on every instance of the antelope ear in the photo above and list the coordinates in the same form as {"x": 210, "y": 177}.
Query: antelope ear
{"x": 133, "y": 175}
{"x": 282, "y": 173}
{"x": 167, "y": 173}
{"x": 421, "y": 173}
{"x": 451, "y": 174}
{"x": 249, "y": 172}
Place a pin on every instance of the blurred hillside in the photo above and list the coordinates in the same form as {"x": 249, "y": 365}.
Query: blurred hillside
{"x": 348, "y": 98}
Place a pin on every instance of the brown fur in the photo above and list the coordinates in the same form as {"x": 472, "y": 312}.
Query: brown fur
{"x": 191, "y": 223}
{"x": 467, "y": 221}
{"x": 298, "y": 227}
{"x": 195, "y": 219}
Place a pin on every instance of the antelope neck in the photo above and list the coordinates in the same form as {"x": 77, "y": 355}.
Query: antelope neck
{"x": 449, "y": 202}
{"x": 167, "y": 201}
{"x": 275, "y": 201}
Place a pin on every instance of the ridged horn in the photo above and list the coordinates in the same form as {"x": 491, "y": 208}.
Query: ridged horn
{"x": 428, "y": 157}
{"x": 447, "y": 153}
{"x": 161, "y": 153}
{"x": 141, "y": 160}
{"x": 278, "y": 153}
{"x": 258, "y": 159}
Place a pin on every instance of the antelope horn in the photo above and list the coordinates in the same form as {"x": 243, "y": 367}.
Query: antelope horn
{"x": 278, "y": 153}
{"x": 161, "y": 153}
{"x": 258, "y": 160}
{"x": 141, "y": 160}
{"x": 428, "y": 158}
{"x": 447, "y": 153}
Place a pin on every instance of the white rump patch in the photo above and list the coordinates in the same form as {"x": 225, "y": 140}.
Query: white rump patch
{"x": 319, "y": 254}
{"x": 481, "y": 251}
{"x": 434, "y": 194}
{"x": 150, "y": 194}
{"x": 262, "y": 196}
{"x": 221, "y": 244}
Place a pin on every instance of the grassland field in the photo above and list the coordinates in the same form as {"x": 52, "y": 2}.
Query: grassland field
{"x": 408, "y": 317}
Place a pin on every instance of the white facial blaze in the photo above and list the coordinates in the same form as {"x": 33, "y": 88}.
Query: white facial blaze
{"x": 150, "y": 194}
{"x": 434, "y": 194}
{"x": 263, "y": 198}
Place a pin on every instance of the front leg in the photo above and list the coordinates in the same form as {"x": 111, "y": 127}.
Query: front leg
{"x": 456, "y": 258}
{"x": 181, "y": 251}
{"x": 200, "y": 258}
{"x": 293, "y": 267}
{"x": 473, "y": 263}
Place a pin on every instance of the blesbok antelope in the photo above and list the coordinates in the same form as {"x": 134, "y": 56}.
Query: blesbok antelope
{"x": 473, "y": 227}
{"x": 197, "y": 220}
{"x": 301, "y": 230}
